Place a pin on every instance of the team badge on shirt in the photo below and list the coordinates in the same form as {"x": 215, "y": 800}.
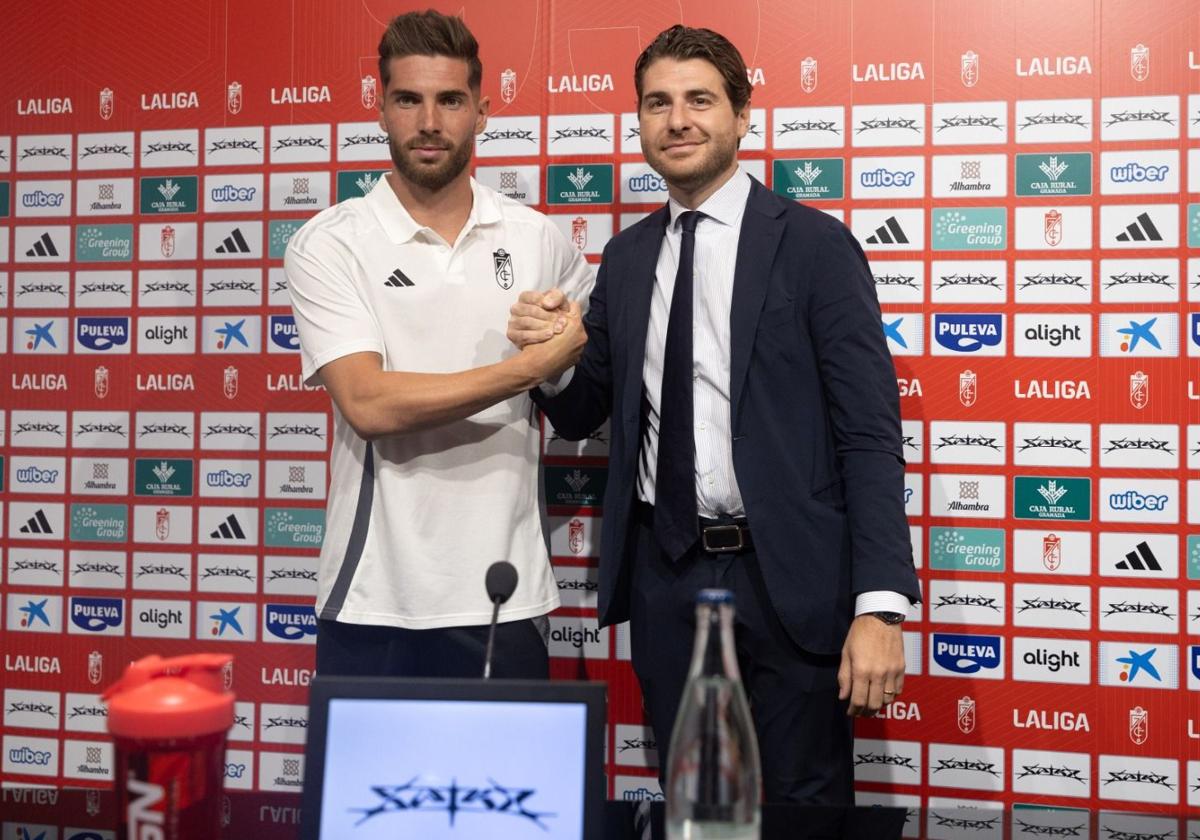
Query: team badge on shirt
{"x": 502, "y": 261}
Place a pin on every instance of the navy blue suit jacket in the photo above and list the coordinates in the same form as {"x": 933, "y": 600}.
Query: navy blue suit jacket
{"x": 815, "y": 414}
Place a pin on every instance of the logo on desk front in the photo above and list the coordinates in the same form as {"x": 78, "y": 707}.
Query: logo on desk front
{"x": 456, "y": 800}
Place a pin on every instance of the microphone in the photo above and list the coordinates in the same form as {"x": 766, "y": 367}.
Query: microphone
{"x": 501, "y": 581}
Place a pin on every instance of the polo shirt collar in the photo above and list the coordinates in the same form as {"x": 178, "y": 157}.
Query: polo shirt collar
{"x": 400, "y": 226}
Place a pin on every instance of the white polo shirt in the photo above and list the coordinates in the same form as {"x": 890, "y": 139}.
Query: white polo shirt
{"x": 415, "y": 520}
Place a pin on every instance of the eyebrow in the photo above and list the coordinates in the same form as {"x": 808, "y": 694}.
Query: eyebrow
{"x": 418, "y": 94}
{"x": 688, "y": 94}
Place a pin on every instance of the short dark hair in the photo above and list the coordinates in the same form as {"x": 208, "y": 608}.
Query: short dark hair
{"x": 684, "y": 42}
{"x": 429, "y": 33}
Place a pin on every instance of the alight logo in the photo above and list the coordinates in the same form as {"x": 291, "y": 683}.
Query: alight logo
{"x": 966, "y": 549}
{"x": 176, "y": 194}
{"x": 295, "y": 527}
{"x": 981, "y": 333}
{"x": 970, "y": 229}
{"x": 293, "y": 623}
{"x": 583, "y": 184}
{"x": 961, "y": 655}
{"x": 1054, "y": 175}
{"x": 101, "y": 616}
{"x": 809, "y": 179}
{"x": 99, "y": 523}
{"x": 1038, "y": 497}
{"x": 160, "y": 619}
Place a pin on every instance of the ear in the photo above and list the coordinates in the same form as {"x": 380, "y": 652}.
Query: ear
{"x": 481, "y": 117}
{"x": 743, "y": 120}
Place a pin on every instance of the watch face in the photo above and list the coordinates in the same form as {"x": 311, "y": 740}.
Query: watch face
{"x": 890, "y": 617}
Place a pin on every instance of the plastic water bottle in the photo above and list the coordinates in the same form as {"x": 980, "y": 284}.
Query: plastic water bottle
{"x": 169, "y": 718}
{"x": 713, "y": 774}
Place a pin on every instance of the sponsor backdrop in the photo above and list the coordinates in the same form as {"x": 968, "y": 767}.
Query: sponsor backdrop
{"x": 1027, "y": 185}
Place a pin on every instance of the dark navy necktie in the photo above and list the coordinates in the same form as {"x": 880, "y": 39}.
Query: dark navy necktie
{"x": 675, "y": 520}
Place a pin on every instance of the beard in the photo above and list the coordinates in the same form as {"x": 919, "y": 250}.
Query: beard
{"x": 690, "y": 175}
{"x": 428, "y": 176}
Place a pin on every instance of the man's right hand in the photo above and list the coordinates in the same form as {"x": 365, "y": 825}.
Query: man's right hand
{"x": 552, "y": 355}
{"x": 538, "y": 317}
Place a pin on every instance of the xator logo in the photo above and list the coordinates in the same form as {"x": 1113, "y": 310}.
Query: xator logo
{"x": 494, "y": 799}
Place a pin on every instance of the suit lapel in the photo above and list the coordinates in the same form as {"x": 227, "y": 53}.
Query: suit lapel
{"x": 639, "y": 288}
{"x": 762, "y": 230}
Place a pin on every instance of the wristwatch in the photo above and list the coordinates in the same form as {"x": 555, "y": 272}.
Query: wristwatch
{"x": 889, "y": 617}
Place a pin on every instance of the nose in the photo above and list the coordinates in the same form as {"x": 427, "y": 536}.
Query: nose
{"x": 429, "y": 121}
{"x": 678, "y": 119}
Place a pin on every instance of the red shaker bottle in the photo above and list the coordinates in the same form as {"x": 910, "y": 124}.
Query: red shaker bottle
{"x": 169, "y": 718}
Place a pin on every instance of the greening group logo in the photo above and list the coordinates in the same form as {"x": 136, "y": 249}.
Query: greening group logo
{"x": 1194, "y": 225}
{"x": 970, "y": 229}
{"x": 99, "y": 523}
{"x": 590, "y": 183}
{"x": 294, "y": 527}
{"x": 1193, "y": 557}
{"x": 809, "y": 179}
{"x": 967, "y": 549}
{"x": 1052, "y": 498}
{"x": 279, "y": 233}
{"x": 104, "y": 243}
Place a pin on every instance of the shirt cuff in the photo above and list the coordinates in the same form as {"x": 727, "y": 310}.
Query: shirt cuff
{"x": 881, "y": 601}
{"x": 553, "y": 387}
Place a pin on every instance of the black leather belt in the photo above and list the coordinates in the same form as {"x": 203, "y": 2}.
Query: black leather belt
{"x": 717, "y": 536}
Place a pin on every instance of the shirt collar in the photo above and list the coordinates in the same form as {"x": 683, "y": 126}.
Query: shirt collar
{"x": 400, "y": 226}
{"x": 726, "y": 205}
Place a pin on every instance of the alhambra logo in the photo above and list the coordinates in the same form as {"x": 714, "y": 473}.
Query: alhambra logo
{"x": 580, "y": 178}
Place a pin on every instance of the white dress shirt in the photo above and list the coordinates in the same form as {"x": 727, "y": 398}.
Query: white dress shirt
{"x": 717, "y": 234}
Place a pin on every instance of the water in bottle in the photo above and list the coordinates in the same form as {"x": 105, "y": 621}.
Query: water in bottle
{"x": 713, "y": 775}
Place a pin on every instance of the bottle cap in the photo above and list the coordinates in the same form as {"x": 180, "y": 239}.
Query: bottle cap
{"x": 714, "y": 596}
{"x": 181, "y": 697}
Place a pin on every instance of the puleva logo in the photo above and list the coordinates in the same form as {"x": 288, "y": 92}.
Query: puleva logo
{"x": 290, "y": 622}
{"x": 104, "y": 243}
{"x": 964, "y": 654}
{"x": 579, "y": 184}
{"x": 101, "y": 334}
{"x": 283, "y": 332}
{"x": 96, "y": 615}
{"x": 1043, "y": 497}
{"x": 99, "y": 523}
{"x": 967, "y": 549}
{"x": 970, "y": 229}
{"x": 810, "y": 179}
{"x": 969, "y": 332}
{"x": 295, "y": 527}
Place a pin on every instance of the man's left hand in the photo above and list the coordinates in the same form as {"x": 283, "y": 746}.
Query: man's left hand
{"x": 872, "y": 669}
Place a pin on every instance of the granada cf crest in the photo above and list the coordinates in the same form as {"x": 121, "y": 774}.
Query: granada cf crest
{"x": 233, "y": 98}
{"x": 1052, "y": 551}
{"x": 93, "y": 802}
{"x": 227, "y": 675}
{"x": 100, "y": 382}
{"x": 369, "y": 92}
{"x": 226, "y": 811}
{"x": 1052, "y": 228}
{"x": 1139, "y": 389}
{"x": 808, "y": 74}
{"x": 575, "y": 535}
{"x": 969, "y": 69}
{"x": 162, "y": 524}
{"x": 95, "y": 669}
{"x": 106, "y": 104}
{"x": 502, "y": 262}
{"x": 966, "y": 715}
{"x": 508, "y": 85}
{"x": 166, "y": 241}
{"x": 1139, "y": 725}
{"x": 229, "y": 383}
{"x": 1139, "y": 63}
{"x": 579, "y": 232}
{"x": 968, "y": 388}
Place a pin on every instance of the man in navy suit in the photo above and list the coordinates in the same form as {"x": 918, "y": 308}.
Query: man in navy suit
{"x": 734, "y": 338}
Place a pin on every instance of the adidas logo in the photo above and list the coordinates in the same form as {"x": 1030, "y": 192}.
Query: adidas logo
{"x": 1140, "y": 560}
{"x": 44, "y": 247}
{"x": 890, "y": 234}
{"x": 1141, "y": 230}
{"x": 230, "y": 529}
{"x": 397, "y": 279}
{"x": 37, "y": 524}
{"x": 234, "y": 243}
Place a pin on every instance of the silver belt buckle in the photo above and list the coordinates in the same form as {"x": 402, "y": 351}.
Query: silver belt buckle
{"x": 713, "y": 529}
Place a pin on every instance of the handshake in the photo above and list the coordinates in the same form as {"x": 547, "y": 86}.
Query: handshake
{"x": 548, "y": 330}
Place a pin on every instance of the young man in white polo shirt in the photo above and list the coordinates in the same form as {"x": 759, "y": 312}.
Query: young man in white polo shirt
{"x": 401, "y": 299}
